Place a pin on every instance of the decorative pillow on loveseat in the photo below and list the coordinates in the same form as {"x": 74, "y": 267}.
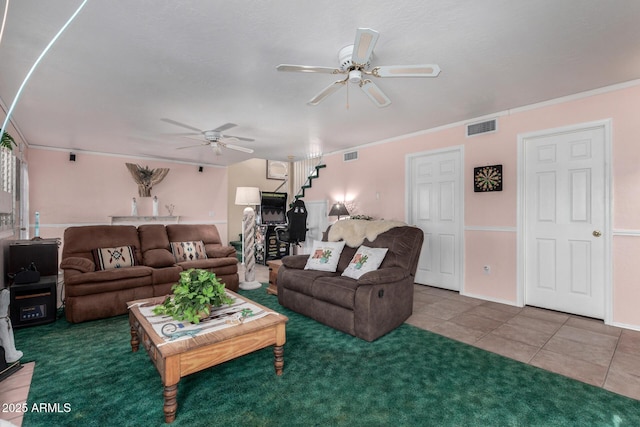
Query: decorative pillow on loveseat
{"x": 324, "y": 256}
{"x": 366, "y": 259}
{"x": 110, "y": 258}
{"x": 188, "y": 251}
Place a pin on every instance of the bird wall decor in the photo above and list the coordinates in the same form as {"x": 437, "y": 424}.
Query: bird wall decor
{"x": 146, "y": 178}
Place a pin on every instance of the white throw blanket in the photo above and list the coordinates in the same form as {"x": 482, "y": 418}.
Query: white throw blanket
{"x": 354, "y": 231}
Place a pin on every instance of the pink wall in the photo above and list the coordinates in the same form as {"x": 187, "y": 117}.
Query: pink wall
{"x": 380, "y": 170}
{"x": 95, "y": 187}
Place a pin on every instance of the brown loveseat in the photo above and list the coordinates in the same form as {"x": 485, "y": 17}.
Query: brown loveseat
{"x": 92, "y": 293}
{"x": 369, "y": 307}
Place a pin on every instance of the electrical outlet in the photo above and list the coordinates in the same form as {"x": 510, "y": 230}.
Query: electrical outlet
{"x": 211, "y": 213}
{"x": 486, "y": 269}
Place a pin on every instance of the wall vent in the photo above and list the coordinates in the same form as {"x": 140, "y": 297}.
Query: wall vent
{"x": 350, "y": 156}
{"x": 482, "y": 127}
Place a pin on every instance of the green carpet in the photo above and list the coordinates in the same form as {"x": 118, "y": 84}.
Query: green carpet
{"x": 409, "y": 377}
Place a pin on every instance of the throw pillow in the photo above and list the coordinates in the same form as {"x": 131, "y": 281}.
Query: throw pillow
{"x": 110, "y": 258}
{"x": 324, "y": 256}
{"x": 366, "y": 259}
{"x": 188, "y": 251}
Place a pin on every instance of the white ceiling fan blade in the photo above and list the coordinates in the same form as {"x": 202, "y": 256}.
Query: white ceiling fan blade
{"x": 173, "y": 122}
{"x": 192, "y": 146}
{"x": 422, "y": 70}
{"x": 307, "y": 69}
{"x": 237, "y": 138}
{"x": 366, "y": 39}
{"x": 224, "y": 127}
{"x": 333, "y": 87}
{"x": 238, "y": 148}
{"x": 373, "y": 91}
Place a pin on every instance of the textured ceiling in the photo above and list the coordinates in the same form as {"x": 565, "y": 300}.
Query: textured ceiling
{"x": 123, "y": 66}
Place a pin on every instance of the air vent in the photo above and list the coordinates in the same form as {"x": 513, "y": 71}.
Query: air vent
{"x": 350, "y": 156}
{"x": 482, "y": 127}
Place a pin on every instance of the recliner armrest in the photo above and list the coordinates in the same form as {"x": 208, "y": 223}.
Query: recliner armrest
{"x": 295, "y": 261}
{"x": 80, "y": 264}
{"x": 383, "y": 275}
{"x": 221, "y": 252}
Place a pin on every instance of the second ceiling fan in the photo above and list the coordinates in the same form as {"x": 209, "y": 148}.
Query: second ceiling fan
{"x": 355, "y": 65}
{"x": 213, "y": 137}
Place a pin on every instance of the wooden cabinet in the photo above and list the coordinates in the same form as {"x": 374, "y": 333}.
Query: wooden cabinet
{"x": 273, "y": 276}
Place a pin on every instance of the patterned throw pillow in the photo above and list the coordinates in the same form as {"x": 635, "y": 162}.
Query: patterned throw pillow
{"x": 118, "y": 257}
{"x": 188, "y": 251}
{"x": 324, "y": 256}
{"x": 365, "y": 259}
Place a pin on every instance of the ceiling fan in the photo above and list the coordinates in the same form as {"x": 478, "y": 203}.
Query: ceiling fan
{"x": 355, "y": 65}
{"x": 213, "y": 137}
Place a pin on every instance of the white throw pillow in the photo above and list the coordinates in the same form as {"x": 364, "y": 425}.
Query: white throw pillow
{"x": 324, "y": 256}
{"x": 365, "y": 259}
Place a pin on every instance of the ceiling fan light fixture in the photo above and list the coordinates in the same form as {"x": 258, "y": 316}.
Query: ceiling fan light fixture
{"x": 355, "y": 76}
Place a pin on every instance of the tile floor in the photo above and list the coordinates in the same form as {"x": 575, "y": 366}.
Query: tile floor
{"x": 577, "y": 347}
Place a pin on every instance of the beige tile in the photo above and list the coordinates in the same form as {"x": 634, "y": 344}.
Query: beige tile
{"x": 540, "y": 325}
{"x": 590, "y": 338}
{"x": 426, "y": 298}
{"x": 593, "y": 325}
{"x": 626, "y": 362}
{"x": 457, "y": 332}
{"x": 444, "y": 293}
{"x": 472, "y": 321}
{"x": 512, "y": 349}
{"x": 447, "y": 308}
{"x": 596, "y": 354}
{"x": 466, "y": 299}
{"x": 623, "y": 383}
{"x": 580, "y": 370}
{"x": 491, "y": 313}
{"x": 629, "y": 342}
{"x": 523, "y": 334}
{"x": 502, "y": 307}
{"x": 424, "y": 321}
{"x": 542, "y": 314}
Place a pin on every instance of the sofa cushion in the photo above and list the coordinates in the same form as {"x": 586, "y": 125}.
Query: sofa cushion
{"x": 324, "y": 256}
{"x": 188, "y": 251}
{"x": 158, "y": 258}
{"x": 116, "y": 257}
{"x": 366, "y": 259}
{"x": 139, "y": 274}
{"x": 210, "y": 263}
{"x": 339, "y": 290}
{"x": 301, "y": 280}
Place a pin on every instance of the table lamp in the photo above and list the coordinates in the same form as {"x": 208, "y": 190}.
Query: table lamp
{"x": 338, "y": 210}
{"x": 249, "y": 197}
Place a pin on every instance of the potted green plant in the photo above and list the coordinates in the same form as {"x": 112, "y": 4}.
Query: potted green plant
{"x": 194, "y": 295}
{"x": 7, "y": 141}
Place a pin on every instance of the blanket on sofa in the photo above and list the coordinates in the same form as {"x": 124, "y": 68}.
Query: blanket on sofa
{"x": 354, "y": 231}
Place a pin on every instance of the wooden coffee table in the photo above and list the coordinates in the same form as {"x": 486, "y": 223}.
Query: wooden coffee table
{"x": 176, "y": 359}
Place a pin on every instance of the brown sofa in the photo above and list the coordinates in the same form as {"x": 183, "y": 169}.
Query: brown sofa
{"x": 91, "y": 293}
{"x": 378, "y": 302}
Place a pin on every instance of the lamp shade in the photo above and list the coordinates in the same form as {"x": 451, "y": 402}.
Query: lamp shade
{"x": 247, "y": 196}
{"x": 338, "y": 210}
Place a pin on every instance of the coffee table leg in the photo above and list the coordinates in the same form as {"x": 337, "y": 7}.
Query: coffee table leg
{"x": 278, "y": 353}
{"x": 135, "y": 340}
{"x": 170, "y": 403}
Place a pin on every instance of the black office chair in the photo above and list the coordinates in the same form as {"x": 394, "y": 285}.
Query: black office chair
{"x": 296, "y": 229}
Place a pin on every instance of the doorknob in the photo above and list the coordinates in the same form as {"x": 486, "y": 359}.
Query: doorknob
{"x": 597, "y": 233}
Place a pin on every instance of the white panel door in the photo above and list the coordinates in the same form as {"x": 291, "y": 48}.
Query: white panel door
{"x": 434, "y": 205}
{"x": 565, "y": 213}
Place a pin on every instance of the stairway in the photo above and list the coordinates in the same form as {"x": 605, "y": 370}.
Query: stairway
{"x": 309, "y": 182}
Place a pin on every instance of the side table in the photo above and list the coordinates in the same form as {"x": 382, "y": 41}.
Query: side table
{"x": 273, "y": 276}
